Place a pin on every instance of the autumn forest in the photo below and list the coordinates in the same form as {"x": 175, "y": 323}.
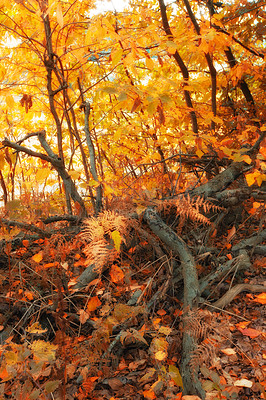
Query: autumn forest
{"x": 132, "y": 200}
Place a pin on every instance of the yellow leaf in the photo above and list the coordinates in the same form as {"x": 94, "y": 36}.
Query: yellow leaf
{"x": 261, "y": 178}
{"x": 171, "y": 47}
{"x": 159, "y": 347}
{"x": 152, "y": 106}
{"x": 117, "y": 239}
{"x": 252, "y": 177}
{"x": 116, "y": 56}
{"x": 175, "y": 375}
{"x": 42, "y": 174}
{"x": 238, "y": 157}
{"x": 36, "y": 328}
{"x": 93, "y": 183}
{"x": 165, "y": 330}
{"x": 10, "y": 101}
{"x": 43, "y": 351}
{"x": 247, "y": 159}
{"x": 199, "y": 153}
{"x": 256, "y": 204}
{"x": 129, "y": 59}
{"x": 122, "y": 96}
{"x": 160, "y": 355}
{"x": 74, "y": 174}
{"x": 11, "y": 357}
{"x": 108, "y": 190}
{"x": 59, "y": 15}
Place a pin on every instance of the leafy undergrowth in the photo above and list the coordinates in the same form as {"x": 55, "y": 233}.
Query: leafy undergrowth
{"x": 120, "y": 337}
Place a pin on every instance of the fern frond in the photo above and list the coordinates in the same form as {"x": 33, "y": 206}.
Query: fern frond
{"x": 93, "y": 230}
{"x": 209, "y": 334}
{"x": 96, "y": 232}
{"x": 99, "y": 253}
{"x": 205, "y": 353}
{"x": 106, "y": 223}
{"x": 191, "y": 208}
{"x": 113, "y": 222}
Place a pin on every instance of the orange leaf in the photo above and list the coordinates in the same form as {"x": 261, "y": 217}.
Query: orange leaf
{"x": 256, "y": 204}
{"x": 50, "y": 265}
{"x": 37, "y": 257}
{"x": 93, "y": 303}
{"x": 29, "y": 295}
{"x": 261, "y": 298}
{"x": 242, "y": 325}
{"x": 116, "y": 274}
{"x": 252, "y": 333}
{"x": 149, "y": 394}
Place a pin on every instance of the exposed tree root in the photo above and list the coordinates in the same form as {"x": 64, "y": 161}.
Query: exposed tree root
{"x": 234, "y": 291}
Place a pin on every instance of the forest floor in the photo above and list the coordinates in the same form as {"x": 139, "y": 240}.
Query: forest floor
{"x": 118, "y": 334}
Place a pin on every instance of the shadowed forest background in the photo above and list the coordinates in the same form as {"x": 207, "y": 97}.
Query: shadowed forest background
{"x": 133, "y": 187}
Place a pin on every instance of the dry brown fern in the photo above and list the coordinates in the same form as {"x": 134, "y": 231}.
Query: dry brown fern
{"x": 100, "y": 253}
{"x": 210, "y": 335}
{"x": 106, "y": 223}
{"x": 192, "y": 208}
{"x": 98, "y": 234}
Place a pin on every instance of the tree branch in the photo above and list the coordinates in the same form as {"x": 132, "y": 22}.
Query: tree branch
{"x": 181, "y": 65}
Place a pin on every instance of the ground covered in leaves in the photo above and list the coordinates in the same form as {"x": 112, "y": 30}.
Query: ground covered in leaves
{"x": 119, "y": 335}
